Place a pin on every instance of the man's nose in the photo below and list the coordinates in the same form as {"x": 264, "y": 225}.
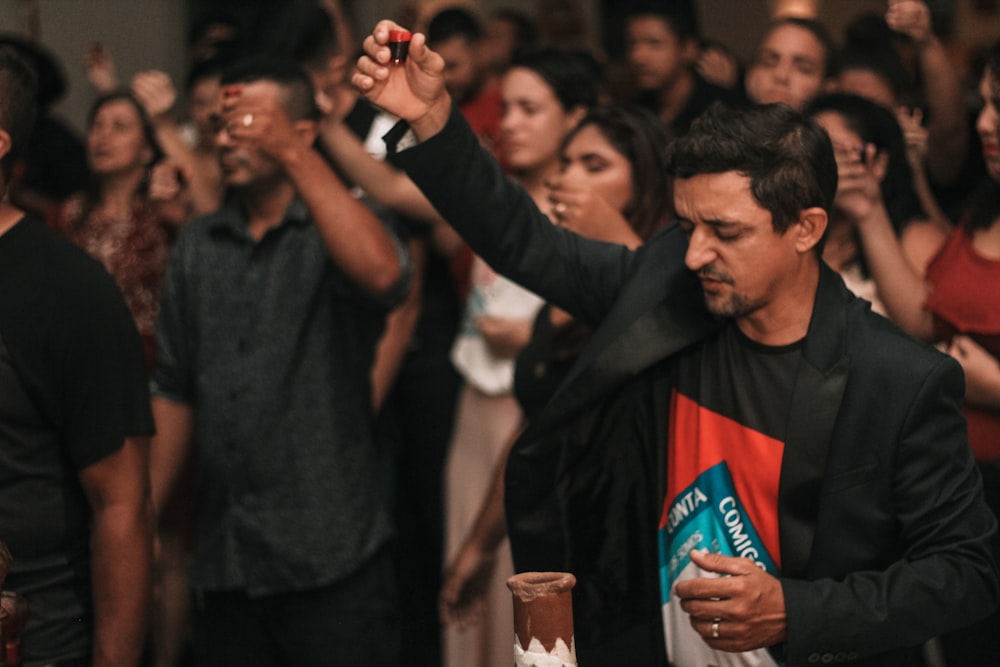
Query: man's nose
{"x": 700, "y": 252}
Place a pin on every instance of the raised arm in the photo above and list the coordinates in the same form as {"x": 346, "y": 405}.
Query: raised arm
{"x": 380, "y": 180}
{"x": 900, "y": 287}
{"x": 947, "y": 126}
{"x": 156, "y": 92}
{"x": 355, "y": 238}
{"x": 496, "y": 217}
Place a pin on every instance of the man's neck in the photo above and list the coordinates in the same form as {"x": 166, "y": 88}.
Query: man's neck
{"x": 265, "y": 206}
{"x": 785, "y": 319}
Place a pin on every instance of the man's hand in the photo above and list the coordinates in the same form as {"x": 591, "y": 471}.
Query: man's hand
{"x": 413, "y": 90}
{"x": 253, "y": 114}
{"x": 746, "y": 608}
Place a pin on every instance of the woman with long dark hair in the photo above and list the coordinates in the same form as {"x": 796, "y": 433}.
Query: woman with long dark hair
{"x": 114, "y": 219}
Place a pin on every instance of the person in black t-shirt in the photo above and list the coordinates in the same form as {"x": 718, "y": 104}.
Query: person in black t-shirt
{"x": 74, "y": 426}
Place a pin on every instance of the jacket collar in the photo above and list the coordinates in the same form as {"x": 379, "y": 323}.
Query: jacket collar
{"x": 816, "y": 398}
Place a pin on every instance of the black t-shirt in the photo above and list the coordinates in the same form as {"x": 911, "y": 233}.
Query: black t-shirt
{"x": 72, "y": 388}
{"x": 728, "y": 414}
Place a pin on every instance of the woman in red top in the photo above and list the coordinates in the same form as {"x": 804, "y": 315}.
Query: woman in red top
{"x": 959, "y": 308}
{"x": 114, "y": 220}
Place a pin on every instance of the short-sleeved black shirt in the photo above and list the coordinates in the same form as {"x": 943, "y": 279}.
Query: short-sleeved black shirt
{"x": 72, "y": 388}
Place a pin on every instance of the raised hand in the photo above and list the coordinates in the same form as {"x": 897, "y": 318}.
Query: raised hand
{"x": 253, "y": 114}
{"x": 911, "y": 18}
{"x": 155, "y": 92}
{"x": 99, "y": 66}
{"x": 858, "y": 181}
{"x": 413, "y": 90}
{"x": 577, "y": 207}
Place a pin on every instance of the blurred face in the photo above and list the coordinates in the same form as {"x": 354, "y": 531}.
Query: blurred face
{"x": 742, "y": 262}
{"x": 590, "y": 161}
{"x": 988, "y": 124}
{"x": 204, "y": 95}
{"x": 499, "y": 42}
{"x": 655, "y": 55}
{"x": 243, "y": 163}
{"x": 461, "y": 71}
{"x": 847, "y": 145}
{"x": 534, "y": 122}
{"x": 788, "y": 68}
{"x": 115, "y": 142}
{"x": 868, "y": 85}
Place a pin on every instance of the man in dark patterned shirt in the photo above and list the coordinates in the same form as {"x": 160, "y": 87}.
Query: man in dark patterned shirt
{"x": 270, "y": 315}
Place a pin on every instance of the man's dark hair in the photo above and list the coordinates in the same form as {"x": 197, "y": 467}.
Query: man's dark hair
{"x": 680, "y": 16}
{"x": 301, "y": 30}
{"x": 574, "y": 76}
{"x": 818, "y": 31}
{"x": 788, "y": 157}
{"x": 299, "y": 100}
{"x": 18, "y": 94}
{"x": 525, "y": 28}
{"x": 453, "y": 22}
{"x": 210, "y": 68}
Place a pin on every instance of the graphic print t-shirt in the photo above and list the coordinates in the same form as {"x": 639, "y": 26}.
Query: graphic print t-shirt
{"x": 728, "y": 411}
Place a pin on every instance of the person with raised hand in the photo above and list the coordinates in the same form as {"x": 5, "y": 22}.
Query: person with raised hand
{"x": 770, "y": 473}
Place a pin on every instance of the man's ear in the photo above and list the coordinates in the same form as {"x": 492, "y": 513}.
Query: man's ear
{"x": 810, "y": 228}
{"x": 5, "y": 143}
{"x": 308, "y": 130}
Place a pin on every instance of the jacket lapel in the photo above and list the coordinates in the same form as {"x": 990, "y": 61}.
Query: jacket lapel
{"x": 660, "y": 311}
{"x": 819, "y": 388}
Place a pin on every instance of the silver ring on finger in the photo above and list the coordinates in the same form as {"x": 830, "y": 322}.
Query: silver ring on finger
{"x": 715, "y": 628}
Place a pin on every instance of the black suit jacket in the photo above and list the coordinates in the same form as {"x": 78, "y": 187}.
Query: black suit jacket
{"x": 883, "y": 531}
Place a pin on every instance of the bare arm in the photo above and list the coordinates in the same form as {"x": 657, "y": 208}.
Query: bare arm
{"x": 470, "y": 569}
{"x": 117, "y": 488}
{"x": 156, "y": 93}
{"x": 380, "y": 180}
{"x": 947, "y": 127}
{"x": 982, "y": 372}
{"x": 900, "y": 287}
{"x": 171, "y": 447}
{"x": 414, "y": 91}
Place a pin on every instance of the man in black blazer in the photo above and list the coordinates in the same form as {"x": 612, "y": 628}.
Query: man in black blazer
{"x": 746, "y": 466}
